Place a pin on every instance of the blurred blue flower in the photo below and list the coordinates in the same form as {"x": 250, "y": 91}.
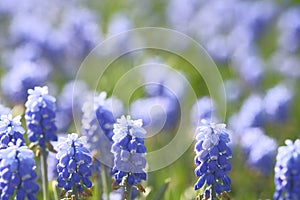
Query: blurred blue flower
{"x": 203, "y": 108}
{"x": 287, "y": 173}
{"x": 69, "y": 104}
{"x": 78, "y": 33}
{"x": 289, "y": 30}
{"x": 74, "y": 167}
{"x": 277, "y": 103}
{"x": 286, "y": 64}
{"x": 22, "y": 77}
{"x": 20, "y": 33}
{"x": 4, "y": 110}
{"x": 180, "y": 12}
{"x": 17, "y": 173}
{"x": 11, "y": 131}
{"x": 233, "y": 90}
{"x": 212, "y": 158}
{"x": 40, "y": 116}
{"x": 97, "y": 125}
{"x": 249, "y": 65}
{"x": 161, "y": 80}
{"x": 52, "y": 162}
{"x": 129, "y": 151}
{"x": 251, "y": 114}
{"x": 259, "y": 150}
{"x": 158, "y": 113}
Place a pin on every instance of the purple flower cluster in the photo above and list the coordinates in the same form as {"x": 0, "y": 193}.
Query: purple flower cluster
{"x": 17, "y": 173}
{"x": 22, "y": 77}
{"x": 129, "y": 151}
{"x": 11, "y": 131}
{"x": 69, "y": 104}
{"x": 74, "y": 166}
{"x": 212, "y": 159}
{"x": 40, "y": 116}
{"x": 259, "y": 150}
{"x": 287, "y": 171}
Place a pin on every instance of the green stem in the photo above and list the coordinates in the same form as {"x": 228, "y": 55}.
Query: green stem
{"x": 127, "y": 190}
{"x": 54, "y": 190}
{"x": 75, "y": 192}
{"x": 213, "y": 190}
{"x": 105, "y": 179}
{"x": 44, "y": 173}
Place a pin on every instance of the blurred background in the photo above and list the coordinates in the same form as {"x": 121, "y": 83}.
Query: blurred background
{"x": 255, "y": 45}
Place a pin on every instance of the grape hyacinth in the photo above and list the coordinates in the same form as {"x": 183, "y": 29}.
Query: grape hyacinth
{"x": 11, "y": 131}
{"x": 203, "y": 108}
{"x": 17, "y": 173}
{"x": 22, "y": 77}
{"x": 259, "y": 150}
{"x": 287, "y": 171}
{"x": 277, "y": 103}
{"x": 74, "y": 166}
{"x": 40, "y": 120}
{"x": 129, "y": 151}
{"x": 97, "y": 123}
{"x": 69, "y": 104}
{"x": 158, "y": 113}
{"x": 40, "y": 116}
{"x": 212, "y": 159}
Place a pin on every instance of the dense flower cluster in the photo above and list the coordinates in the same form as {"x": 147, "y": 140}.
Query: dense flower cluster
{"x": 40, "y": 116}
{"x": 287, "y": 171}
{"x": 10, "y": 131}
{"x": 129, "y": 151}
{"x": 17, "y": 173}
{"x": 74, "y": 166}
{"x": 212, "y": 158}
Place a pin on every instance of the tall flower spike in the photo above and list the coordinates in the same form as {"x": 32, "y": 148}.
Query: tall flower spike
{"x": 212, "y": 155}
{"x": 74, "y": 166}
{"x": 40, "y": 116}
{"x": 129, "y": 151}
{"x": 97, "y": 124}
{"x": 287, "y": 172}
{"x": 10, "y": 131}
{"x": 17, "y": 173}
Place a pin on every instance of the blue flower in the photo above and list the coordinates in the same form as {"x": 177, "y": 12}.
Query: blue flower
{"x": 287, "y": 172}
{"x": 259, "y": 150}
{"x": 17, "y": 173}
{"x": 40, "y": 116}
{"x": 203, "y": 108}
{"x": 212, "y": 158}
{"x": 277, "y": 103}
{"x": 158, "y": 113}
{"x": 4, "y": 110}
{"x": 129, "y": 151}
{"x": 97, "y": 126}
{"x": 69, "y": 104}
{"x": 251, "y": 114}
{"x": 22, "y": 77}
{"x": 74, "y": 165}
{"x": 289, "y": 36}
{"x": 10, "y": 131}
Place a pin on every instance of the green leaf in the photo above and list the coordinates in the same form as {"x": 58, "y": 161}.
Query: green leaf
{"x": 161, "y": 192}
